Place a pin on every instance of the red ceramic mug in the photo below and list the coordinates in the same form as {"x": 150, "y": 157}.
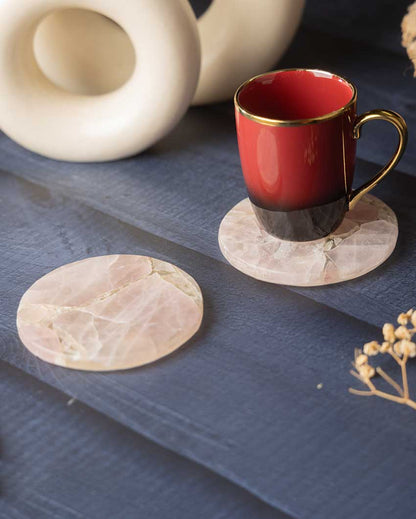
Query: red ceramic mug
{"x": 297, "y": 132}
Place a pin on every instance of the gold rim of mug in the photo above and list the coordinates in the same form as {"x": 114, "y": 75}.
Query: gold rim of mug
{"x": 294, "y": 122}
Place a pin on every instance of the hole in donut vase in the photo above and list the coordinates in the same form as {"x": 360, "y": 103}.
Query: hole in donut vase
{"x": 83, "y": 52}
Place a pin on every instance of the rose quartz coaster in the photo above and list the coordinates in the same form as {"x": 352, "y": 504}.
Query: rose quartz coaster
{"x": 109, "y": 312}
{"x": 366, "y": 238}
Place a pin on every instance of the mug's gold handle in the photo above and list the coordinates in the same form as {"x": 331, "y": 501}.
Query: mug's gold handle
{"x": 396, "y": 120}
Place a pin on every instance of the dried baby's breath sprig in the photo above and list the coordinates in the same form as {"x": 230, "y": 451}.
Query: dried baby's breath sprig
{"x": 402, "y": 332}
{"x": 405, "y": 347}
{"x": 388, "y": 332}
{"x": 385, "y": 347}
{"x": 413, "y": 319}
{"x": 360, "y": 359}
{"x": 403, "y": 318}
{"x": 399, "y": 345}
{"x": 371, "y": 348}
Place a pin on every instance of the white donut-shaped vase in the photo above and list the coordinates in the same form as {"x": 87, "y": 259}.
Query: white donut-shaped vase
{"x": 240, "y": 39}
{"x": 49, "y": 120}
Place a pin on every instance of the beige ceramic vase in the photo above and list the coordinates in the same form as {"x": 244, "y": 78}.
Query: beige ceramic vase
{"x": 96, "y": 80}
{"x": 240, "y": 39}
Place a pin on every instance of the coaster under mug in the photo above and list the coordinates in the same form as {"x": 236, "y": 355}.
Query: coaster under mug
{"x": 365, "y": 239}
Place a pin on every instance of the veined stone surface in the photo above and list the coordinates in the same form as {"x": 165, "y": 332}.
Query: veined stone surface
{"x": 366, "y": 238}
{"x": 109, "y": 312}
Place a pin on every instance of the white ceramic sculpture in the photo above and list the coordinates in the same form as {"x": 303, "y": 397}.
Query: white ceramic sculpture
{"x": 240, "y": 39}
{"x": 139, "y": 100}
{"x": 95, "y": 80}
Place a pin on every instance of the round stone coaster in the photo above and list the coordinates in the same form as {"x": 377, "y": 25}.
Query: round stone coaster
{"x": 109, "y": 313}
{"x": 366, "y": 237}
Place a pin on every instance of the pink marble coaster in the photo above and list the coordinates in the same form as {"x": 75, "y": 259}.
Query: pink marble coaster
{"x": 366, "y": 238}
{"x": 109, "y": 312}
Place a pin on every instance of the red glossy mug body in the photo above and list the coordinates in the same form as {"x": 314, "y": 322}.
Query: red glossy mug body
{"x": 297, "y": 132}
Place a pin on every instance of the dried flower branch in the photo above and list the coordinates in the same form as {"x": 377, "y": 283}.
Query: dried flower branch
{"x": 409, "y": 34}
{"x": 399, "y": 345}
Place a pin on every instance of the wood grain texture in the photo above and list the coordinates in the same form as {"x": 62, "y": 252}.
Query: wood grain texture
{"x": 65, "y": 460}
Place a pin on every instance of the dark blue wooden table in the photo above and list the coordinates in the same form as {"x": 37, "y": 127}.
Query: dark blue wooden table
{"x": 232, "y": 425}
